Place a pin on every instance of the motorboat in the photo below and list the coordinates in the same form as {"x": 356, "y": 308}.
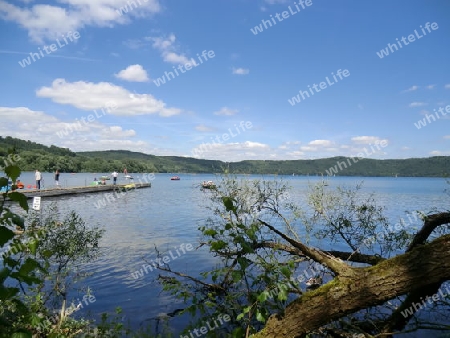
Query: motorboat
{"x": 208, "y": 185}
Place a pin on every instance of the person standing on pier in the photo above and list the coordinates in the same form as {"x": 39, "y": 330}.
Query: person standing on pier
{"x": 57, "y": 178}
{"x": 38, "y": 177}
{"x": 114, "y": 175}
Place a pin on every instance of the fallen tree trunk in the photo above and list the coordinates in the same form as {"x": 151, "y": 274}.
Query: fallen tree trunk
{"x": 397, "y": 320}
{"x": 424, "y": 265}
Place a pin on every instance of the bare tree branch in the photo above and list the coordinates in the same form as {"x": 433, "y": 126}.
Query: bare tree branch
{"x": 356, "y": 257}
{"x": 431, "y": 223}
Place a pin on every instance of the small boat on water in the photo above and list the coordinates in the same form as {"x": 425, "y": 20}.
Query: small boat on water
{"x": 208, "y": 185}
{"x": 175, "y": 178}
{"x": 128, "y": 177}
{"x": 12, "y": 187}
{"x": 105, "y": 178}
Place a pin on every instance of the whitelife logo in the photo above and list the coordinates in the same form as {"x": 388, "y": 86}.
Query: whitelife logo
{"x": 184, "y": 68}
{"x": 220, "y": 139}
{"x": 72, "y": 36}
{"x": 432, "y": 118}
{"x": 341, "y": 165}
{"x": 411, "y": 38}
{"x": 154, "y": 264}
{"x": 323, "y": 85}
{"x": 265, "y": 24}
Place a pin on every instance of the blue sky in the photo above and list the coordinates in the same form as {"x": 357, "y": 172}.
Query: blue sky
{"x": 103, "y": 88}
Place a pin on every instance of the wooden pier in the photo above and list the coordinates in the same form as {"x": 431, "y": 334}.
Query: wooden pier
{"x": 82, "y": 190}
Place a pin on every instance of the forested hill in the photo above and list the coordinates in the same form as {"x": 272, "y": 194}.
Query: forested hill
{"x": 37, "y": 156}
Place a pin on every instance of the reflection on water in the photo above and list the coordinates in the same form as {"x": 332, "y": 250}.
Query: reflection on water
{"x": 169, "y": 213}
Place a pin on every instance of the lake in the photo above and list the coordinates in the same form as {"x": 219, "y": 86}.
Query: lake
{"x": 168, "y": 214}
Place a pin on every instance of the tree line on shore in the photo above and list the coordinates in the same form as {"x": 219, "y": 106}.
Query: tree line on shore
{"x": 49, "y": 158}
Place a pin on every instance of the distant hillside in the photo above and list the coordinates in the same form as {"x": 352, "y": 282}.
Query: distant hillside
{"x": 162, "y": 164}
{"x": 37, "y": 156}
{"x": 438, "y": 166}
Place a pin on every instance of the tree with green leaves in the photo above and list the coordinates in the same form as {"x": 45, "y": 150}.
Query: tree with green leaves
{"x": 14, "y": 272}
{"x": 278, "y": 274}
{"x": 41, "y": 255}
{"x": 64, "y": 249}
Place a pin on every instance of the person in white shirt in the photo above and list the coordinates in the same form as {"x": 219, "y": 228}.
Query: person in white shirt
{"x": 38, "y": 177}
{"x": 114, "y": 175}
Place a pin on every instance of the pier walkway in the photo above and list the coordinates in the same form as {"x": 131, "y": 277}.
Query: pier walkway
{"x": 82, "y": 190}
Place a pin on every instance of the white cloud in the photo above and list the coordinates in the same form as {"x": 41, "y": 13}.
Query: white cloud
{"x": 417, "y": 104}
{"x": 321, "y": 143}
{"x": 296, "y": 153}
{"x": 117, "y": 132}
{"x": 367, "y": 139}
{"x": 231, "y": 151}
{"x": 411, "y": 89}
{"x": 226, "y": 111}
{"x": 319, "y": 146}
{"x": 168, "y": 49}
{"x": 240, "y": 71}
{"x": 431, "y": 86}
{"x": 172, "y": 57}
{"x": 439, "y": 153}
{"x": 92, "y": 96}
{"x": 203, "y": 128}
{"x": 48, "y": 22}
{"x": 447, "y": 137}
{"x": 308, "y": 148}
{"x": 37, "y": 126}
{"x": 20, "y": 120}
{"x": 133, "y": 73}
{"x": 447, "y": 86}
{"x": 289, "y": 144}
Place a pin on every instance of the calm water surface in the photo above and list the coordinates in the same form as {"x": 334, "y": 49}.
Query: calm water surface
{"x": 168, "y": 215}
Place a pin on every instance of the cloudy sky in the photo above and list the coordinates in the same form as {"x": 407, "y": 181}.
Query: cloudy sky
{"x": 228, "y": 79}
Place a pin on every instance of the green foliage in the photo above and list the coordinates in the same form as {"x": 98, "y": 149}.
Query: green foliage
{"x": 14, "y": 272}
{"x": 250, "y": 281}
{"x": 345, "y": 216}
{"x": 40, "y": 255}
{"x": 63, "y": 249}
{"x": 48, "y": 258}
